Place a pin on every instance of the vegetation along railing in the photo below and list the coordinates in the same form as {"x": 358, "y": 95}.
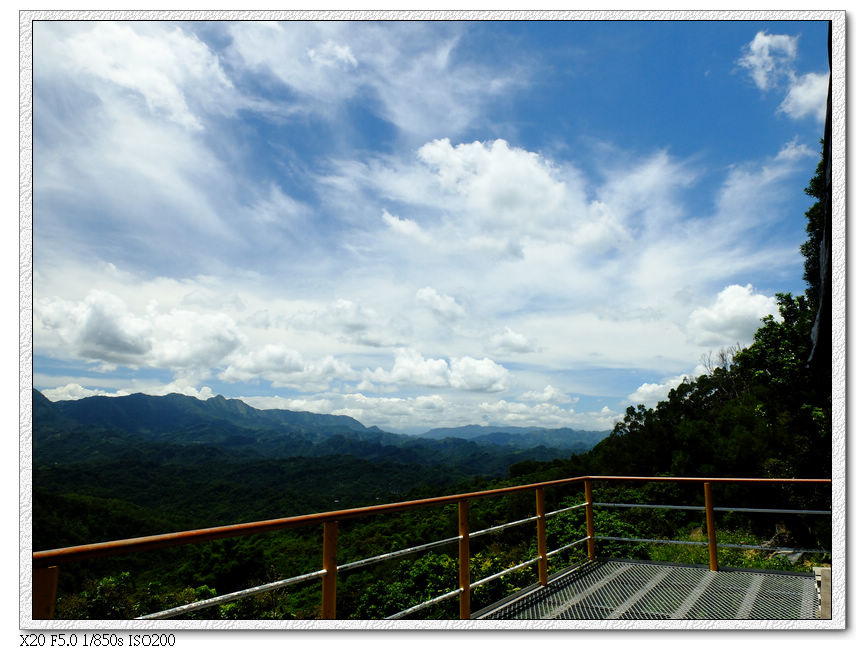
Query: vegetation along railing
{"x": 46, "y": 563}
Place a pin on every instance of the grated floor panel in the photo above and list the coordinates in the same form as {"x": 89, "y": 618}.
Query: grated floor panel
{"x": 634, "y": 590}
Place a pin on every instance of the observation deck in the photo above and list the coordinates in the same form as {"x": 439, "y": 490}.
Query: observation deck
{"x": 632, "y": 590}
{"x": 594, "y": 584}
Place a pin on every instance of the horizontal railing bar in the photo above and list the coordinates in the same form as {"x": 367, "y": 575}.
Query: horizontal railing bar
{"x": 784, "y": 549}
{"x": 652, "y": 541}
{"x": 556, "y": 512}
{"x": 424, "y": 605}
{"x": 502, "y": 573}
{"x": 503, "y": 526}
{"x": 775, "y": 511}
{"x": 89, "y": 551}
{"x": 395, "y": 554}
{"x": 567, "y": 546}
{"x": 648, "y": 505}
{"x": 225, "y": 598}
{"x": 747, "y": 546}
{"x": 716, "y": 509}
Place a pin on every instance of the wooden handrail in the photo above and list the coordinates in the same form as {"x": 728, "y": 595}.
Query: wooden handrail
{"x": 45, "y": 563}
{"x": 54, "y": 557}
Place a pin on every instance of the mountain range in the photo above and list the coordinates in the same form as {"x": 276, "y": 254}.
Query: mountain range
{"x": 101, "y": 427}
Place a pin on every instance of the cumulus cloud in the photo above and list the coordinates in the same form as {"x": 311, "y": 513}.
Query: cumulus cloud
{"x": 285, "y": 367}
{"x": 733, "y": 318}
{"x": 349, "y": 320}
{"x": 445, "y": 307}
{"x": 269, "y": 360}
{"x": 479, "y": 375}
{"x": 650, "y": 394}
{"x": 102, "y": 328}
{"x": 510, "y": 341}
{"x": 769, "y": 59}
{"x": 807, "y": 97}
{"x": 411, "y": 368}
{"x": 185, "y": 339}
{"x": 99, "y": 328}
{"x": 499, "y": 183}
{"x": 549, "y": 395}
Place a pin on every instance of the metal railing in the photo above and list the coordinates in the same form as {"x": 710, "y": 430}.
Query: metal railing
{"x": 46, "y": 563}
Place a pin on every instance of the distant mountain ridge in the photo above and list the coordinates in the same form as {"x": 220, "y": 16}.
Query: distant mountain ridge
{"x": 174, "y": 426}
{"x": 522, "y": 437}
{"x": 148, "y": 413}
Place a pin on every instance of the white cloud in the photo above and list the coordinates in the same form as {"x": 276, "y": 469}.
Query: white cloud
{"x": 549, "y": 395}
{"x": 751, "y": 197}
{"x": 498, "y": 183}
{"x": 410, "y": 368}
{"x": 650, "y": 394}
{"x": 183, "y": 339}
{"x": 173, "y": 72}
{"x": 350, "y": 322}
{"x": 102, "y": 328}
{"x": 406, "y": 227}
{"x": 807, "y": 97}
{"x": 510, "y": 342}
{"x": 170, "y": 72}
{"x": 546, "y": 415}
{"x": 794, "y": 151}
{"x": 480, "y": 375}
{"x": 409, "y": 68}
{"x": 733, "y": 318}
{"x": 285, "y": 367}
{"x": 76, "y": 391}
{"x": 769, "y": 59}
{"x": 570, "y": 256}
{"x": 271, "y": 361}
{"x": 390, "y": 413}
{"x": 445, "y": 307}
{"x": 332, "y": 54}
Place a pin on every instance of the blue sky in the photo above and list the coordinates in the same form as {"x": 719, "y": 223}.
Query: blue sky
{"x": 416, "y": 224}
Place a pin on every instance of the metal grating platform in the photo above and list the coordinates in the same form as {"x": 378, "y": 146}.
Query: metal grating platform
{"x": 636, "y": 590}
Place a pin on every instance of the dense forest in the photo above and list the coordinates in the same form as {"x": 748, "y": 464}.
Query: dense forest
{"x": 758, "y": 411}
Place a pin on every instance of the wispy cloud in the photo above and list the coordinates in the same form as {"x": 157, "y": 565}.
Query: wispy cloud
{"x": 770, "y": 61}
{"x": 807, "y": 97}
{"x": 386, "y": 220}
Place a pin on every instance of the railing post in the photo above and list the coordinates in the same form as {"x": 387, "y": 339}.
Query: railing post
{"x": 590, "y": 522}
{"x": 710, "y": 527}
{"x": 464, "y": 559}
{"x": 542, "y": 535}
{"x": 44, "y": 592}
{"x": 328, "y": 582}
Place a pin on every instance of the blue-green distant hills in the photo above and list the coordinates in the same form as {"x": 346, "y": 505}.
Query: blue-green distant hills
{"x": 521, "y": 437}
{"x": 108, "y": 467}
{"x": 161, "y": 426}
